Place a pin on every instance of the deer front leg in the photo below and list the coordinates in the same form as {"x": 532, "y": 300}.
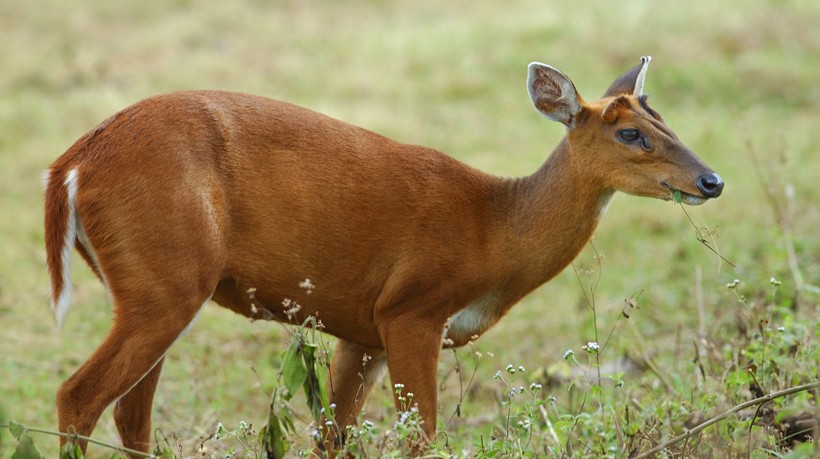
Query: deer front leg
{"x": 412, "y": 347}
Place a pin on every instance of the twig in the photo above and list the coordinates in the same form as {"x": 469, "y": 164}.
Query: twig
{"x": 702, "y": 240}
{"x": 649, "y": 361}
{"x": 75, "y": 437}
{"x": 699, "y": 302}
{"x": 702, "y": 426}
{"x": 751, "y": 428}
{"x": 549, "y": 425}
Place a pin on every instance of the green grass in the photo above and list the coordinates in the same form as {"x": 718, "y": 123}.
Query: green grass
{"x": 448, "y": 75}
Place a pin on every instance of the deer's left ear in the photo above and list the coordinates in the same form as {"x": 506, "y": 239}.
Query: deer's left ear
{"x": 553, "y": 94}
{"x": 631, "y": 81}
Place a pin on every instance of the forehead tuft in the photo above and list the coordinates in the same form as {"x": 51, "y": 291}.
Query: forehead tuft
{"x": 643, "y": 101}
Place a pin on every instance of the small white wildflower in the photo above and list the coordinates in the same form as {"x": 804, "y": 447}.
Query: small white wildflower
{"x": 307, "y": 285}
{"x": 243, "y": 425}
{"x": 535, "y": 387}
{"x": 447, "y": 342}
{"x": 332, "y": 406}
{"x": 510, "y": 369}
{"x": 521, "y": 368}
{"x": 619, "y": 383}
{"x": 478, "y": 355}
{"x": 368, "y": 424}
{"x": 410, "y": 395}
{"x": 591, "y": 347}
{"x": 774, "y": 282}
{"x": 733, "y": 284}
{"x": 329, "y": 423}
{"x": 497, "y": 375}
{"x": 291, "y": 307}
{"x": 568, "y": 354}
{"x": 781, "y": 329}
{"x": 551, "y": 399}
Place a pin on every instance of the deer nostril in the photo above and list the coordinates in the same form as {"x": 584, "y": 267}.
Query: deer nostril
{"x": 711, "y": 185}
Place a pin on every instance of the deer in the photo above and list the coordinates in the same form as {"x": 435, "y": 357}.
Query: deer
{"x": 198, "y": 196}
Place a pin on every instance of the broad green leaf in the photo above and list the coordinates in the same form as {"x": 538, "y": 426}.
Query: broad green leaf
{"x": 294, "y": 371}
{"x": 273, "y": 438}
{"x": 16, "y": 429}
{"x": 313, "y": 389}
{"x": 71, "y": 450}
{"x": 25, "y": 448}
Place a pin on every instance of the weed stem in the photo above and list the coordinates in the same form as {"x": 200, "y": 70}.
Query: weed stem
{"x": 700, "y": 427}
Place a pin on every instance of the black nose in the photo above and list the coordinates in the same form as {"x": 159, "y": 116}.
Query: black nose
{"x": 711, "y": 185}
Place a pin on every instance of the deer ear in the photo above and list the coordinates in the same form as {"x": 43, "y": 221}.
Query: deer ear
{"x": 631, "y": 81}
{"x": 553, "y": 94}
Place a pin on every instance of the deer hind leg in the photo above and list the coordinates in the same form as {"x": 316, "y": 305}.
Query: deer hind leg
{"x": 142, "y": 333}
{"x": 354, "y": 371}
{"x": 132, "y": 412}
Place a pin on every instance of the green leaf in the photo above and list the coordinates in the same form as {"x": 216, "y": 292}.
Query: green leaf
{"x": 25, "y": 448}
{"x": 273, "y": 438}
{"x": 294, "y": 371}
{"x": 71, "y": 450}
{"x": 676, "y": 196}
{"x": 16, "y": 429}
{"x": 313, "y": 387}
{"x": 616, "y": 376}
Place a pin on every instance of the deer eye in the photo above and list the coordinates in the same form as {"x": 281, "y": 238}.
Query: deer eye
{"x": 629, "y": 135}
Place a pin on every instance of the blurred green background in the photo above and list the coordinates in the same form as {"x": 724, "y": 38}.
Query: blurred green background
{"x": 737, "y": 82}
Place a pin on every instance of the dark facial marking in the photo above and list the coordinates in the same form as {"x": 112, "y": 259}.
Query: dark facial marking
{"x": 642, "y": 100}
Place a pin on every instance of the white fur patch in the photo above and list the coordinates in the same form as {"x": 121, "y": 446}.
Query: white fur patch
{"x": 44, "y": 179}
{"x": 475, "y": 319}
{"x": 191, "y": 323}
{"x": 59, "y": 305}
{"x": 603, "y": 205}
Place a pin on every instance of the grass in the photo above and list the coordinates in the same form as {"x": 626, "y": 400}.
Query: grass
{"x": 730, "y": 81}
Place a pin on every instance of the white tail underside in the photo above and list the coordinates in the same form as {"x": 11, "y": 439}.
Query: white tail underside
{"x": 60, "y": 304}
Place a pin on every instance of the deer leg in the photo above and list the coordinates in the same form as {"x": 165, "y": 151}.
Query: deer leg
{"x": 353, "y": 372}
{"x": 132, "y": 412}
{"x": 412, "y": 347}
{"x": 142, "y": 333}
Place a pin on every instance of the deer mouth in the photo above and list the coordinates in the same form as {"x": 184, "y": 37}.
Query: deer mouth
{"x": 679, "y": 195}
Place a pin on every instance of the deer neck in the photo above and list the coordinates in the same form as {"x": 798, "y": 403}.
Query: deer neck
{"x": 549, "y": 217}
{"x": 555, "y": 213}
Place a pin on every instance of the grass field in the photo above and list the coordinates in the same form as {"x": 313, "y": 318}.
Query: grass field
{"x": 738, "y": 85}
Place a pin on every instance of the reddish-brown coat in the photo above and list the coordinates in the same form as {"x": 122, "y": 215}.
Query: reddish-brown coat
{"x": 204, "y": 195}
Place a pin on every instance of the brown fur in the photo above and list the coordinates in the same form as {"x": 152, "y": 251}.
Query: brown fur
{"x": 198, "y": 195}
